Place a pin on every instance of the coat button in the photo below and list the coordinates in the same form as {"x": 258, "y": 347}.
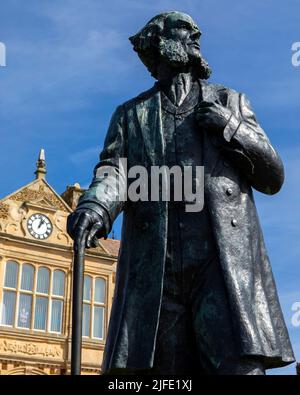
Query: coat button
{"x": 226, "y": 164}
{"x": 229, "y": 191}
{"x": 181, "y": 226}
{"x": 234, "y": 222}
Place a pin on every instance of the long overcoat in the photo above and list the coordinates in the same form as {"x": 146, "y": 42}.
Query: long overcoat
{"x": 239, "y": 158}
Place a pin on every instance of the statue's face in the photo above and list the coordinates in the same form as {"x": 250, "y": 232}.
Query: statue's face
{"x": 181, "y": 28}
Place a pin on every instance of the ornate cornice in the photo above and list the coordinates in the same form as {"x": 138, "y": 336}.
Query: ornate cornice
{"x": 4, "y": 210}
{"x": 40, "y": 195}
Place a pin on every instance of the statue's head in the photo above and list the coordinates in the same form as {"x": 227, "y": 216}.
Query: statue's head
{"x": 171, "y": 37}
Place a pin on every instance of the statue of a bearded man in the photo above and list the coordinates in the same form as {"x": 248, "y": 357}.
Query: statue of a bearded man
{"x": 194, "y": 289}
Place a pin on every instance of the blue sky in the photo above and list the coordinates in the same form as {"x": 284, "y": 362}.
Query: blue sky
{"x": 69, "y": 64}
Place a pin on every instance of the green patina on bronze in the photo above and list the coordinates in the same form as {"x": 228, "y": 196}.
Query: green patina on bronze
{"x": 194, "y": 291}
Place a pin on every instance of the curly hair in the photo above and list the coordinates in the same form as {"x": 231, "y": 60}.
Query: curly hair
{"x": 147, "y": 41}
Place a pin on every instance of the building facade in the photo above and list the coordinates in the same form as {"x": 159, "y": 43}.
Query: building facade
{"x": 36, "y": 257}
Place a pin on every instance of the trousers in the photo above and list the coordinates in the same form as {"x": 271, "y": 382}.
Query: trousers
{"x": 195, "y": 332}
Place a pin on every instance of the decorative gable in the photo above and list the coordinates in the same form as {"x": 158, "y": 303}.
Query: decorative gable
{"x": 43, "y": 195}
{"x": 35, "y": 205}
{"x": 36, "y": 198}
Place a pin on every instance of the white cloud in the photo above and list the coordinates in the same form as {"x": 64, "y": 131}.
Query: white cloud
{"x": 61, "y": 69}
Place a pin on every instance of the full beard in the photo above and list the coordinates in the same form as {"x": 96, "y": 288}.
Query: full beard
{"x": 174, "y": 53}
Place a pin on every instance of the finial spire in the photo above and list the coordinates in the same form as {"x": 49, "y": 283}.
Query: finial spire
{"x": 41, "y": 165}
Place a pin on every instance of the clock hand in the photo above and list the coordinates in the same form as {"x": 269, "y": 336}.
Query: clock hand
{"x": 41, "y": 223}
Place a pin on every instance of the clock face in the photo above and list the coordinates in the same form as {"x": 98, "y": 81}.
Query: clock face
{"x": 39, "y": 226}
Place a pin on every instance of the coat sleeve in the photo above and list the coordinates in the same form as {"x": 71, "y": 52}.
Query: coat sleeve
{"x": 106, "y": 194}
{"x": 249, "y": 148}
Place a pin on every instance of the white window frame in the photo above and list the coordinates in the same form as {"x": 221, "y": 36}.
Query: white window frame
{"x": 34, "y": 293}
{"x": 93, "y": 304}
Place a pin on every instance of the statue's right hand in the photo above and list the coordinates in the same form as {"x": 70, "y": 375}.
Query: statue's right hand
{"x": 85, "y": 224}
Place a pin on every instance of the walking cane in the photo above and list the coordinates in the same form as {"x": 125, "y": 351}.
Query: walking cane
{"x": 78, "y": 281}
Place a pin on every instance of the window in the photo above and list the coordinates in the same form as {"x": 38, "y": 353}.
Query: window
{"x": 93, "y": 307}
{"x": 25, "y": 296}
{"x": 57, "y": 300}
{"x": 33, "y": 298}
{"x": 42, "y": 302}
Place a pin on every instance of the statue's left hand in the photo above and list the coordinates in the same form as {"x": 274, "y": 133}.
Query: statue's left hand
{"x": 212, "y": 115}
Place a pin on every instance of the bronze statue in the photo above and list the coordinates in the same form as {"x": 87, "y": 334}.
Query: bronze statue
{"x": 194, "y": 290}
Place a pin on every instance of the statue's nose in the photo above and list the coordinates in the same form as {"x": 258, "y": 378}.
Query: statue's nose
{"x": 195, "y": 35}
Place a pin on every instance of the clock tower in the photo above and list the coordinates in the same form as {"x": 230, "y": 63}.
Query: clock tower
{"x": 36, "y": 258}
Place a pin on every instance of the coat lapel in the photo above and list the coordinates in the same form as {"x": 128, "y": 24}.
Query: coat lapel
{"x": 209, "y": 150}
{"x": 148, "y": 113}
